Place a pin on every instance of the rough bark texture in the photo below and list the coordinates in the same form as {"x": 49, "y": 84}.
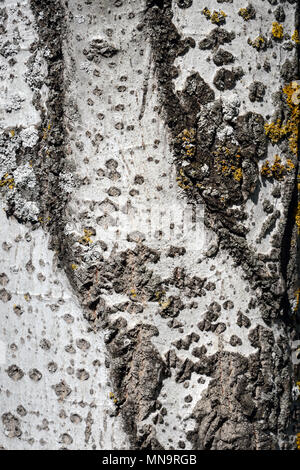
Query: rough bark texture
{"x": 126, "y": 322}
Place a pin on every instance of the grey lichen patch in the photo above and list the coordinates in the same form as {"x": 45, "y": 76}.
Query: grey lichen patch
{"x": 35, "y": 375}
{"x": 216, "y": 38}
{"x": 222, "y": 57}
{"x": 279, "y": 14}
{"x": 243, "y": 320}
{"x": 82, "y": 374}
{"x": 226, "y": 79}
{"x": 62, "y": 390}
{"x": 5, "y": 295}
{"x": 184, "y": 3}
{"x": 11, "y": 425}
{"x": 3, "y": 279}
{"x": 15, "y": 372}
{"x": 257, "y": 91}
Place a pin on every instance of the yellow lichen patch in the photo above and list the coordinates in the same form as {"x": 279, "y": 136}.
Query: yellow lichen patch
{"x": 133, "y": 293}
{"x": 160, "y": 297}
{"x": 258, "y": 43}
{"x": 217, "y": 17}
{"x": 12, "y": 133}
{"x": 113, "y": 397}
{"x": 245, "y": 14}
{"x": 187, "y": 140}
{"x": 228, "y": 163}
{"x": 277, "y": 170}
{"x": 297, "y": 295}
{"x": 238, "y": 174}
{"x": 266, "y": 170}
{"x": 206, "y": 12}
{"x": 27, "y": 297}
{"x": 182, "y": 180}
{"x": 295, "y": 37}
{"x": 46, "y": 131}
{"x": 297, "y": 217}
{"x": 277, "y": 30}
{"x": 277, "y": 130}
{"x": 74, "y": 266}
{"x": 86, "y": 239}
{"x": 7, "y": 181}
{"x": 289, "y": 165}
{"x": 166, "y": 304}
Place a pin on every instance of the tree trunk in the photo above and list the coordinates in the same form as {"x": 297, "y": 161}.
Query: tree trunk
{"x": 149, "y": 185}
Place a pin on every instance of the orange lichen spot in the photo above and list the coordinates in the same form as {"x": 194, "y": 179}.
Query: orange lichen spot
{"x": 298, "y": 441}
{"x": 297, "y": 295}
{"x": 295, "y": 37}
{"x": 277, "y": 30}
